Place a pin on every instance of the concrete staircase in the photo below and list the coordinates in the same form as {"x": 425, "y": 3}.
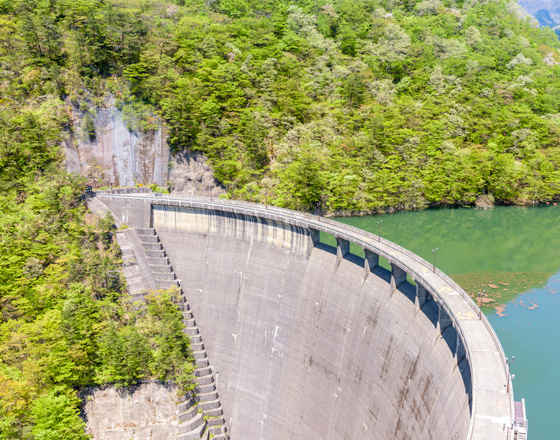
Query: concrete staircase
{"x": 200, "y": 415}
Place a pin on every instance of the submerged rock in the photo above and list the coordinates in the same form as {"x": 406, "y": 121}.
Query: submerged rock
{"x": 485, "y": 201}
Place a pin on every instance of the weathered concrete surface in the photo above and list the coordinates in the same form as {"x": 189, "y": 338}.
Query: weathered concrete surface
{"x": 311, "y": 342}
{"x": 304, "y": 351}
{"x": 135, "y": 264}
{"x": 144, "y": 412}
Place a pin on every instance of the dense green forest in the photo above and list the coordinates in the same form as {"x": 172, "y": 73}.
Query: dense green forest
{"x": 362, "y": 105}
{"x": 356, "y": 105}
{"x": 65, "y": 318}
{"x": 346, "y": 105}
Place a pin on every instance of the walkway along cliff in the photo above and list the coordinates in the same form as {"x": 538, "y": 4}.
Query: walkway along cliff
{"x": 310, "y": 341}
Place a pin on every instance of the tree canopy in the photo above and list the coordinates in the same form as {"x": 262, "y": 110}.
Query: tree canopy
{"x": 349, "y": 104}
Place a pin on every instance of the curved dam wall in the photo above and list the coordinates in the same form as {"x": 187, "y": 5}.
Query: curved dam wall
{"x": 310, "y": 341}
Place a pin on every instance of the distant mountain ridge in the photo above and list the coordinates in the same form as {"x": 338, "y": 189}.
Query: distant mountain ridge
{"x": 547, "y": 13}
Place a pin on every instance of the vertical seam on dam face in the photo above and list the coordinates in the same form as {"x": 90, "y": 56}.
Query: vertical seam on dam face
{"x": 302, "y": 332}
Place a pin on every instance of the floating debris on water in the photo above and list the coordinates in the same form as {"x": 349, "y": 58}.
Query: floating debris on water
{"x": 500, "y": 310}
{"x": 532, "y": 306}
{"x": 500, "y": 287}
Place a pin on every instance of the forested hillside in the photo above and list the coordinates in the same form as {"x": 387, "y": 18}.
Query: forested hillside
{"x": 365, "y": 105}
{"x": 348, "y": 105}
{"x": 65, "y": 319}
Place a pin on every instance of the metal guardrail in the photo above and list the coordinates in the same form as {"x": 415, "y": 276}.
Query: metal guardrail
{"x": 359, "y": 237}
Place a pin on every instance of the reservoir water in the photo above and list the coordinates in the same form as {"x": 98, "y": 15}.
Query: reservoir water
{"x": 508, "y": 260}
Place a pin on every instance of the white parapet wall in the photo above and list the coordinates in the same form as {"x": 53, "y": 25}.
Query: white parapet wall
{"x": 205, "y": 221}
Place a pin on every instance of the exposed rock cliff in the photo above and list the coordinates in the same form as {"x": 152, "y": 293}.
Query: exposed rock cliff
{"x": 143, "y": 412}
{"x": 107, "y": 152}
{"x": 111, "y": 153}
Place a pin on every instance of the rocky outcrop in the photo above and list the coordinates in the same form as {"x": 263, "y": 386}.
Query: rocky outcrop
{"x": 484, "y": 201}
{"x": 104, "y": 150}
{"x": 144, "y": 412}
{"x": 191, "y": 174}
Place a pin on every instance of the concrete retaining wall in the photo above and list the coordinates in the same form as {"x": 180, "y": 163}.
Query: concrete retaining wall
{"x": 228, "y": 225}
{"x": 312, "y": 342}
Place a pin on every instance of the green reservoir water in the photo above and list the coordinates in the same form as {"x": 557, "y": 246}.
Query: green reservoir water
{"x": 514, "y": 254}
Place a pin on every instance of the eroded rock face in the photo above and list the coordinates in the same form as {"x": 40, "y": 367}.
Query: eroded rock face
{"x": 191, "y": 174}
{"x": 106, "y": 152}
{"x": 114, "y": 154}
{"x": 147, "y": 411}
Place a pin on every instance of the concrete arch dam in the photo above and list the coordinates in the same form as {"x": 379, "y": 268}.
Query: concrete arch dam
{"x": 309, "y": 341}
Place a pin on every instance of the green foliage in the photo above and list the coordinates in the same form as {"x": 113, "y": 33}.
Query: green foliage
{"x": 89, "y": 127}
{"x": 385, "y": 105}
{"x": 124, "y": 356}
{"x": 56, "y": 417}
{"x": 65, "y": 319}
{"x": 171, "y": 347}
{"x": 356, "y": 105}
{"x": 148, "y": 343}
{"x": 381, "y": 96}
{"x": 65, "y": 322}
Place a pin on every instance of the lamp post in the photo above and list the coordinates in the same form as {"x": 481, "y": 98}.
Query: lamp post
{"x": 434, "y": 252}
{"x": 379, "y": 228}
{"x": 480, "y": 303}
{"x": 508, "y": 363}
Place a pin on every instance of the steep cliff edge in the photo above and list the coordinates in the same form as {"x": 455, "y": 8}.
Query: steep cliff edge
{"x": 103, "y": 149}
{"x": 107, "y": 151}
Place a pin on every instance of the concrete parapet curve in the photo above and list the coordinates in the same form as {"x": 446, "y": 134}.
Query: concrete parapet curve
{"x": 313, "y": 342}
